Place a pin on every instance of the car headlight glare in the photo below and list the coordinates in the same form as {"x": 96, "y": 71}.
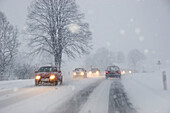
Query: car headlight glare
{"x": 52, "y": 76}
{"x": 97, "y": 72}
{"x": 82, "y": 73}
{"x": 123, "y": 72}
{"x": 90, "y": 72}
{"x": 38, "y": 77}
{"x": 74, "y": 73}
{"x": 130, "y": 72}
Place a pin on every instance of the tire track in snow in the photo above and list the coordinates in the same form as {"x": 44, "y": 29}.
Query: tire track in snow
{"x": 36, "y": 91}
{"x": 75, "y": 103}
{"x": 118, "y": 100}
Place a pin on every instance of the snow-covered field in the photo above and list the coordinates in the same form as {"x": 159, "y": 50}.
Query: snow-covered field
{"x": 145, "y": 91}
{"x": 92, "y": 95}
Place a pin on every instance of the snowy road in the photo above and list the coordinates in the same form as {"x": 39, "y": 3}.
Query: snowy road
{"x": 136, "y": 93}
{"x": 92, "y": 95}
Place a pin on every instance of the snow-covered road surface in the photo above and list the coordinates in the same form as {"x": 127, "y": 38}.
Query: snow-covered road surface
{"x": 136, "y": 93}
{"x": 78, "y": 95}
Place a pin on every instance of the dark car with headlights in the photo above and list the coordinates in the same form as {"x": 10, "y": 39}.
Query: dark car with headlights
{"x": 113, "y": 71}
{"x": 48, "y": 74}
{"x": 79, "y": 72}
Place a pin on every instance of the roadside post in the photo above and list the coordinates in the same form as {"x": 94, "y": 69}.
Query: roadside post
{"x": 164, "y": 80}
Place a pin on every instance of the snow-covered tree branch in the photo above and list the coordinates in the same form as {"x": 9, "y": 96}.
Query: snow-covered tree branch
{"x": 8, "y": 43}
{"x": 56, "y": 27}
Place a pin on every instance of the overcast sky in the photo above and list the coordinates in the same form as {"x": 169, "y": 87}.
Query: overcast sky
{"x": 119, "y": 25}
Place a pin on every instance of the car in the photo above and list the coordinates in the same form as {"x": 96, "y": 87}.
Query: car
{"x": 79, "y": 72}
{"x": 48, "y": 74}
{"x": 94, "y": 72}
{"x": 112, "y": 71}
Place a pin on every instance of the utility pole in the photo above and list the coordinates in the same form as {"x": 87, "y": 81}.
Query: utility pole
{"x": 164, "y": 80}
{"x": 159, "y": 64}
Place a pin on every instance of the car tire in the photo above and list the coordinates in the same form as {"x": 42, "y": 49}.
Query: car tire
{"x": 55, "y": 83}
{"x": 36, "y": 83}
{"x": 61, "y": 81}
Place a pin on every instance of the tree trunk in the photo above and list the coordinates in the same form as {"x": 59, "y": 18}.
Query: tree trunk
{"x": 56, "y": 61}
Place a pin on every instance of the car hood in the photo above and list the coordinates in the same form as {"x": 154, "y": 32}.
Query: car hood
{"x": 45, "y": 74}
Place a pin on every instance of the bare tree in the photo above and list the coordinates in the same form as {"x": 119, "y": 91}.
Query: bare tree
{"x": 24, "y": 71}
{"x": 120, "y": 57}
{"x": 101, "y": 59}
{"x": 8, "y": 43}
{"x": 134, "y": 57}
{"x": 56, "y": 27}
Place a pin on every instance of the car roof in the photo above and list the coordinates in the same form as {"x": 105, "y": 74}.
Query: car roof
{"x": 113, "y": 66}
{"x": 48, "y": 66}
{"x": 79, "y": 68}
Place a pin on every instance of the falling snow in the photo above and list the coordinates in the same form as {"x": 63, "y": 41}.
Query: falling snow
{"x": 122, "y": 32}
{"x": 137, "y": 30}
{"x": 74, "y": 28}
{"x": 141, "y": 38}
{"x": 131, "y": 20}
{"x": 146, "y": 51}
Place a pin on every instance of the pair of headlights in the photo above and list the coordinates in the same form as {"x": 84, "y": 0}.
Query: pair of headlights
{"x": 51, "y": 77}
{"x": 82, "y": 73}
{"x": 97, "y": 72}
{"x": 123, "y": 72}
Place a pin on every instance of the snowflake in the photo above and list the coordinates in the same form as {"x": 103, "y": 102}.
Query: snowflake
{"x": 24, "y": 28}
{"x": 131, "y": 20}
{"x": 108, "y": 44}
{"x": 146, "y": 51}
{"x": 15, "y": 89}
{"x": 141, "y": 38}
{"x": 122, "y": 32}
{"x": 137, "y": 30}
{"x": 74, "y": 28}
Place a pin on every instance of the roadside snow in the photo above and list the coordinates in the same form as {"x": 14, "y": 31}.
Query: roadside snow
{"x": 42, "y": 98}
{"x": 145, "y": 91}
{"x": 15, "y": 84}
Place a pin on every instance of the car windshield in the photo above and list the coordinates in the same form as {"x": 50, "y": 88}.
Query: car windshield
{"x": 45, "y": 69}
{"x": 114, "y": 68}
{"x": 79, "y": 69}
{"x": 94, "y": 69}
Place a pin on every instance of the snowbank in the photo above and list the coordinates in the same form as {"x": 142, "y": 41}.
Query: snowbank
{"x": 146, "y": 92}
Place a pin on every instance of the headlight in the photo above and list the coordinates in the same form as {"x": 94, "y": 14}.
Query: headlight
{"x": 90, "y": 72}
{"x": 82, "y": 73}
{"x": 130, "y": 72}
{"x": 123, "y": 72}
{"x": 52, "y": 76}
{"x": 74, "y": 73}
{"x": 97, "y": 72}
{"x": 37, "y": 77}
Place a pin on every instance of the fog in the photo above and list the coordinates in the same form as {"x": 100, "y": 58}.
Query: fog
{"x": 118, "y": 25}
